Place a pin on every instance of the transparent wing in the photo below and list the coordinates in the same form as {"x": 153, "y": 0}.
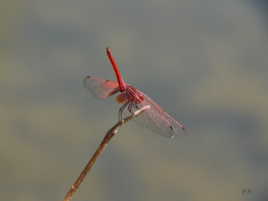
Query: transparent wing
{"x": 157, "y": 120}
{"x": 99, "y": 87}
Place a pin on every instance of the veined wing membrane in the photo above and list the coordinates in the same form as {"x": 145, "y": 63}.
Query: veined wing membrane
{"x": 157, "y": 120}
{"x": 99, "y": 87}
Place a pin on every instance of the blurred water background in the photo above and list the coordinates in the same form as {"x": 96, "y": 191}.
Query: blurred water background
{"x": 204, "y": 61}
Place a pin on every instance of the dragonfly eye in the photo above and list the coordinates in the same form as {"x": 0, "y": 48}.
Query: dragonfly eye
{"x": 121, "y": 98}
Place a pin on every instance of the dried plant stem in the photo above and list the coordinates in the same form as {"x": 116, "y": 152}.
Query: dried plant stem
{"x": 99, "y": 150}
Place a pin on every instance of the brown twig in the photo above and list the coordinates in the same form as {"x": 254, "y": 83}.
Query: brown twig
{"x": 99, "y": 150}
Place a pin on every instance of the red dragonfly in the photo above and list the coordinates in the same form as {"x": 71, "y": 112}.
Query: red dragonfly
{"x": 154, "y": 118}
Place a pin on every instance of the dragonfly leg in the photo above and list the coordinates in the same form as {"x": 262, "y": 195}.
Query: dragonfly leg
{"x": 130, "y": 108}
{"x": 121, "y": 110}
{"x": 133, "y": 107}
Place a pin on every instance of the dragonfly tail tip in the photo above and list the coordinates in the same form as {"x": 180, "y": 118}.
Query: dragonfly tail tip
{"x": 108, "y": 49}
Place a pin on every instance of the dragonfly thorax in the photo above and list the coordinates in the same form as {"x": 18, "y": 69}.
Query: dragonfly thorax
{"x": 130, "y": 95}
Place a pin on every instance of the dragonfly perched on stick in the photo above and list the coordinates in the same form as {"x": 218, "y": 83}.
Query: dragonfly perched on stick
{"x": 135, "y": 105}
{"x": 132, "y": 99}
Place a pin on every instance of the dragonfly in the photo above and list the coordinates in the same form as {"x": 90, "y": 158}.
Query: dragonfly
{"x": 132, "y": 99}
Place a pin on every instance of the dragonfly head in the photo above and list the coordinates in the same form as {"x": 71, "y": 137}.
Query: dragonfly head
{"x": 121, "y": 98}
